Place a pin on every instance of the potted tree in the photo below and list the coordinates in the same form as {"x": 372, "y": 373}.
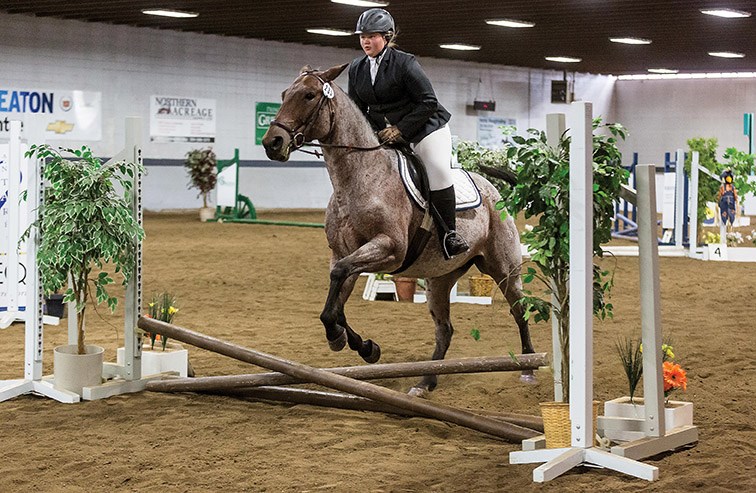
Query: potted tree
{"x": 201, "y": 164}
{"x": 542, "y": 192}
{"x": 87, "y": 228}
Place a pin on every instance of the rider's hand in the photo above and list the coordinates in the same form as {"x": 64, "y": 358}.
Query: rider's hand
{"x": 390, "y": 135}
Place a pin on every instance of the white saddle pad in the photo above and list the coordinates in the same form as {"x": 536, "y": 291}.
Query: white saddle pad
{"x": 465, "y": 190}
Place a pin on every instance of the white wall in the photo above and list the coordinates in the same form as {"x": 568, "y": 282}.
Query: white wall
{"x": 129, "y": 64}
{"x": 662, "y": 115}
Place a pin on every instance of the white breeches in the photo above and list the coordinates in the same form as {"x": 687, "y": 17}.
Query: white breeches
{"x": 436, "y": 152}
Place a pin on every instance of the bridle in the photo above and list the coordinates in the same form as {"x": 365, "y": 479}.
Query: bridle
{"x": 297, "y": 138}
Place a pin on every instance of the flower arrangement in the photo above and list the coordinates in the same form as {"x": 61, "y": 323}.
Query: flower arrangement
{"x": 163, "y": 308}
{"x": 201, "y": 165}
{"x": 674, "y": 378}
{"x": 733, "y": 238}
{"x": 630, "y": 352}
{"x": 751, "y": 237}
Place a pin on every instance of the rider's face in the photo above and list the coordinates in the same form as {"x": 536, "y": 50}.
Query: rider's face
{"x": 372, "y": 43}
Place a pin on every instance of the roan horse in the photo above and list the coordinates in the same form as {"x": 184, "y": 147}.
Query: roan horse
{"x": 370, "y": 219}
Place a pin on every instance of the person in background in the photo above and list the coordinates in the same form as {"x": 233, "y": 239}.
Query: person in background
{"x": 728, "y": 199}
{"x": 391, "y": 89}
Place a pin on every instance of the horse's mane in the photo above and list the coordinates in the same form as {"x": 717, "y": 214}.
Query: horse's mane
{"x": 363, "y": 130}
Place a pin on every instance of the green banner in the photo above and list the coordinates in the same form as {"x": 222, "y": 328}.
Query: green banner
{"x": 264, "y": 114}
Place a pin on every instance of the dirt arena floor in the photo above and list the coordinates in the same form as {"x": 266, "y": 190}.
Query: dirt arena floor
{"x": 264, "y": 286}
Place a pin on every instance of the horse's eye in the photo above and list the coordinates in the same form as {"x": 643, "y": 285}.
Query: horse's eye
{"x": 310, "y": 96}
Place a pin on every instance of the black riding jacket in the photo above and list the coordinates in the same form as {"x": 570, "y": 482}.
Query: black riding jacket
{"x": 402, "y": 95}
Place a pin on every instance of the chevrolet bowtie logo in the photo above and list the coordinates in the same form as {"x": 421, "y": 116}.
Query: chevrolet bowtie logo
{"x": 60, "y": 127}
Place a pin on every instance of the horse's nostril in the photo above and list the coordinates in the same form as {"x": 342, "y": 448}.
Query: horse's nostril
{"x": 276, "y": 144}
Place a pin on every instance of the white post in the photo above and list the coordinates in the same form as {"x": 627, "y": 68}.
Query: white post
{"x": 679, "y": 197}
{"x": 651, "y": 334}
{"x": 581, "y": 275}
{"x": 132, "y": 337}
{"x": 555, "y": 128}
{"x": 693, "y": 204}
{"x": 14, "y": 220}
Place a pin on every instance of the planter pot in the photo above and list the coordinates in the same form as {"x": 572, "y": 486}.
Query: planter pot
{"x": 54, "y": 305}
{"x": 206, "y": 214}
{"x": 174, "y": 358}
{"x": 73, "y": 371}
{"x": 405, "y": 288}
{"x": 557, "y": 425}
{"x": 676, "y": 414}
{"x": 481, "y": 285}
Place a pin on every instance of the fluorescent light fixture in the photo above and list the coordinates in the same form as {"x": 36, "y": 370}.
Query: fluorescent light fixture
{"x": 727, "y": 13}
{"x": 509, "y": 23}
{"x": 460, "y": 47}
{"x": 564, "y": 59}
{"x": 631, "y": 41}
{"x": 330, "y": 32}
{"x": 709, "y": 75}
{"x": 181, "y": 14}
{"x": 663, "y": 71}
{"x": 726, "y": 54}
{"x": 362, "y": 3}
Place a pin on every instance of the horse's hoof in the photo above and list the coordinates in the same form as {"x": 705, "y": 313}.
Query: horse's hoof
{"x": 528, "y": 378}
{"x": 375, "y": 352}
{"x": 420, "y": 392}
{"x": 338, "y": 343}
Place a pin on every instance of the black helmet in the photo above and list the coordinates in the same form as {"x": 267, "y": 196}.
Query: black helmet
{"x": 375, "y": 21}
{"x": 727, "y": 172}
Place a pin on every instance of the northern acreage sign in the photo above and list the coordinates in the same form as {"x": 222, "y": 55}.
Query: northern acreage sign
{"x": 180, "y": 119}
{"x": 264, "y": 114}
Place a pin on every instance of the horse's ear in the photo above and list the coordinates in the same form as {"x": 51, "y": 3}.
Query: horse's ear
{"x": 333, "y": 72}
{"x": 304, "y": 69}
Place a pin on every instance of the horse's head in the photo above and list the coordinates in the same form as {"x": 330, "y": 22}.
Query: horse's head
{"x": 305, "y": 114}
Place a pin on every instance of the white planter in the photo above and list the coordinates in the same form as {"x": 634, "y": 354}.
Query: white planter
{"x": 174, "y": 358}
{"x": 206, "y": 213}
{"x": 73, "y": 371}
{"x": 676, "y": 414}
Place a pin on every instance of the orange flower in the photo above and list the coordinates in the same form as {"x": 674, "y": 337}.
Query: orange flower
{"x": 674, "y": 377}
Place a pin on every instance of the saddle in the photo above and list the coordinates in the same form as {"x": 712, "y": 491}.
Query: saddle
{"x": 415, "y": 180}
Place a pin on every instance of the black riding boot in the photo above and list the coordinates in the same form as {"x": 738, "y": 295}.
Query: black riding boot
{"x": 445, "y": 204}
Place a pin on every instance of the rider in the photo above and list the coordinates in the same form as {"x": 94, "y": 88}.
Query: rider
{"x": 393, "y": 92}
{"x": 728, "y": 198}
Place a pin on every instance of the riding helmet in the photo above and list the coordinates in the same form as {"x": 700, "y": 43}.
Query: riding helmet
{"x": 375, "y": 21}
{"x": 727, "y": 174}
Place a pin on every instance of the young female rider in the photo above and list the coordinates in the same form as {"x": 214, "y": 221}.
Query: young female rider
{"x": 393, "y": 92}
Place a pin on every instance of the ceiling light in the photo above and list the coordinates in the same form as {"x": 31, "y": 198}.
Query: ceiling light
{"x": 330, "y": 32}
{"x": 726, "y": 54}
{"x": 663, "y": 71}
{"x": 631, "y": 41}
{"x": 709, "y": 75}
{"x": 509, "y": 23}
{"x": 362, "y": 3}
{"x": 564, "y": 59}
{"x": 728, "y": 13}
{"x": 460, "y": 47}
{"x": 170, "y": 13}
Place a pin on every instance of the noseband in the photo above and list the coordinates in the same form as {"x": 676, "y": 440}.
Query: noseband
{"x": 297, "y": 135}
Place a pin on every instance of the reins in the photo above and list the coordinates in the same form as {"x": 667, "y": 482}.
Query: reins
{"x": 298, "y": 139}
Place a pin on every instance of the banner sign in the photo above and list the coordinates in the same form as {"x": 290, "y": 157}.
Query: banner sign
{"x": 264, "y": 114}
{"x": 180, "y": 119}
{"x": 6, "y": 243}
{"x": 64, "y": 115}
{"x": 491, "y": 133}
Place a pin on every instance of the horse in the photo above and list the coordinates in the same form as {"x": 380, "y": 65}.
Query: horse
{"x": 370, "y": 219}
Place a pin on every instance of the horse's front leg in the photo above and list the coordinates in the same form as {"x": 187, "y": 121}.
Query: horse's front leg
{"x": 378, "y": 255}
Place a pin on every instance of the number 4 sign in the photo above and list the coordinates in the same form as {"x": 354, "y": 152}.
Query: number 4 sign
{"x": 717, "y": 251}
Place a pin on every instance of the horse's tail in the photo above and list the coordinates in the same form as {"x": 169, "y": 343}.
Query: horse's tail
{"x": 501, "y": 173}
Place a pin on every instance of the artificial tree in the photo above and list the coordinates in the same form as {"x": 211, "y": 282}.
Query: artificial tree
{"x": 87, "y": 227}
{"x": 201, "y": 164}
{"x": 542, "y": 191}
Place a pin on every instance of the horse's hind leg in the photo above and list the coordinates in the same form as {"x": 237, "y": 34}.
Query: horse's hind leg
{"x": 438, "y": 290}
{"x": 507, "y": 278}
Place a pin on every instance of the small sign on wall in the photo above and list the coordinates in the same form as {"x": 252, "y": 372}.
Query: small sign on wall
{"x": 491, "y": 131}
{"x": 182, "y": 119}
{"x": 264, "y": 114}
